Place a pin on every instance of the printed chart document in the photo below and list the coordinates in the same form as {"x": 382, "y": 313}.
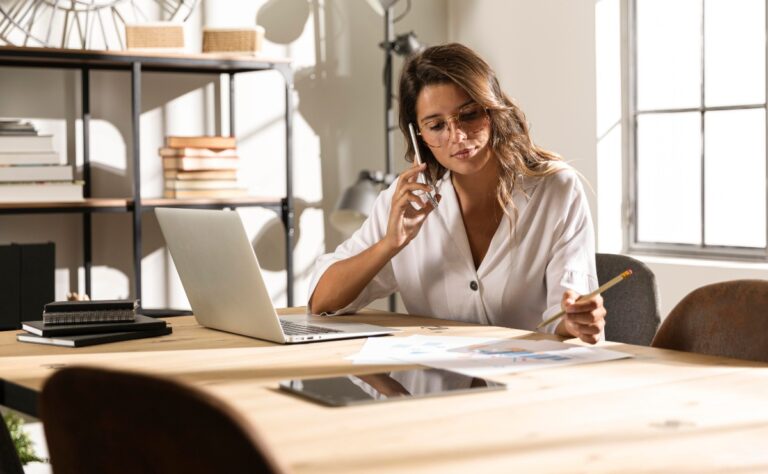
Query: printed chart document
{"x": 479, "y": 357}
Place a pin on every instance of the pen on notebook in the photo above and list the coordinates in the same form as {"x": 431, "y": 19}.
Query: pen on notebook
{"x": 624, "y": 275}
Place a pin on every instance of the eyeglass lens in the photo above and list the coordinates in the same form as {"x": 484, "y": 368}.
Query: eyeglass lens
{"x": 436, "y": 132}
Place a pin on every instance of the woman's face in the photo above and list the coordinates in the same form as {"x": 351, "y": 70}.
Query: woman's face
{"x": 454, "y": 127}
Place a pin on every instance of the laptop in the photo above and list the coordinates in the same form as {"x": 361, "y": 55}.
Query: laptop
{"x": 222, "y": 279}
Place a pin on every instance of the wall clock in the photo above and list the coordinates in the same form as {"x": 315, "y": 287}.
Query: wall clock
{"x": 82, "y": 24}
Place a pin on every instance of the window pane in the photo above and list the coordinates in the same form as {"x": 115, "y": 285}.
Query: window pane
{"x": 668, "y": 54}
{"x": 734, "y": 44}
{"x": 669, "y": 178}
{"x": 734, "y": 188}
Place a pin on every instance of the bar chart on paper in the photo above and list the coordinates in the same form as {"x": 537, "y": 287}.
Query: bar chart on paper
{"x": 479, "y": 357}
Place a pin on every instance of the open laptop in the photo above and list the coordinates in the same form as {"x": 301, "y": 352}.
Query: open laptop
{"x": 224, "y": 285}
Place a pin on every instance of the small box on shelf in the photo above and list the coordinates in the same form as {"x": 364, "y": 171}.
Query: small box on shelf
{"x": 246, "y": 40}
{"x": 164, "y": 36}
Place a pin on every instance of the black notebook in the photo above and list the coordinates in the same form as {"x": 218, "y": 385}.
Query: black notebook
{"x": 141, "y": 323}
{"x": 86, "y": 312}
{"x": 92, "y": 339}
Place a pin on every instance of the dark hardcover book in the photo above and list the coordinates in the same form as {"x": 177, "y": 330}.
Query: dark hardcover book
{"x": 141, "y": 323}
{"x": 10, "y": 287}
{"x": 37, "y": 278}
{"x": 92, "y": 339}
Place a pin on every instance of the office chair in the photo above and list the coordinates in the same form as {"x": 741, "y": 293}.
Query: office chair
{"x": 99, "y": 421}
{"x": 725, "y": 319}
{"x": 9, "y": 458}
{"x": 632, "y": 306}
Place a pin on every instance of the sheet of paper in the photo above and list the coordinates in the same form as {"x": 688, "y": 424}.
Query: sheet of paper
{"x": 479, "y": 357}
{"x": 399, "y": 350}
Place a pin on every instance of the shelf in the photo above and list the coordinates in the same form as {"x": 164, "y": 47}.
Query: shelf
{"x": 136, "y": 64}
{"x": 169, "y": 62}
{"x": 55, "y": 207}
{"x": 217, "y": 203}
{"x": 126, "y": 205}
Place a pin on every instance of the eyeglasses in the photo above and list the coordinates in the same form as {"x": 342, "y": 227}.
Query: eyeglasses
{"x": 436, "y": 132}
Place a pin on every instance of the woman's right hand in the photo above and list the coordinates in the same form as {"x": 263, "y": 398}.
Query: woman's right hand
{"x": 404, "y": 220}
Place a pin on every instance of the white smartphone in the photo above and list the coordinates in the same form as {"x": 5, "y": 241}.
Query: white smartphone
{"x": 421, "y": 179}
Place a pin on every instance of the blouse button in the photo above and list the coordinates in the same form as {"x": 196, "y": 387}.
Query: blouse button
{"x": 473, "y": 285}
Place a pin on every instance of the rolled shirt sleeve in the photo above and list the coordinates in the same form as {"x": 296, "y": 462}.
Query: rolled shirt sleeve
{"x": 372, "y": 231}
{"x": 571, "y": 264}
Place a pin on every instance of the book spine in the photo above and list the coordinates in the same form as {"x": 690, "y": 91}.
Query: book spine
{"x": 29, "y": 158}
{"x": 10, "y": 286}
{"x": 33, "y": 173}
{"x": 37, "y": 278}
{"x": 80, "y": 317}
{"x": 213, "y": 142}
{"x": 201, "y": 164}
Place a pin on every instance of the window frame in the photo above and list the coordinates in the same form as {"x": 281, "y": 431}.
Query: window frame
{"x": 702, "y": 250}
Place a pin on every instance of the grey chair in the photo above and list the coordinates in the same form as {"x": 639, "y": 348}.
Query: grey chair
{"x": 724, "y": 319}
{"x": 633, "y": 306}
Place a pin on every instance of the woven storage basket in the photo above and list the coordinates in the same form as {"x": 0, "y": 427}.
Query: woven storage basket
{"x": 233, "y": 40}
{"x": 162, "y": 35}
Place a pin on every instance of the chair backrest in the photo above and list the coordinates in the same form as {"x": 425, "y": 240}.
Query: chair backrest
{"x": 632, "y": 306}
{"x": 100, "y": 421}
{"x": 9, "y": 458}
{"x": 725, "y": 319}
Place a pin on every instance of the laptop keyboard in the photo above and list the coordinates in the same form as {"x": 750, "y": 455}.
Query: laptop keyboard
{"x": 299, "y": 329}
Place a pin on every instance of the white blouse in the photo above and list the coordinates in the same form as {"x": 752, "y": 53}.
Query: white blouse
{"x": 521, "y": 279}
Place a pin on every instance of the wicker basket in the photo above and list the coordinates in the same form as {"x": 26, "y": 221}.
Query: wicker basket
{"x": 162, "y": 35}
{"x": 233, "y": 40}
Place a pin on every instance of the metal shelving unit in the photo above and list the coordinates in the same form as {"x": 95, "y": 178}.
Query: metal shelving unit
{"x": 136, "y": 64}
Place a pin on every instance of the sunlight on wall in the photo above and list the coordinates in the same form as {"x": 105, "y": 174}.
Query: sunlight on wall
{"x": 609, "y": 126}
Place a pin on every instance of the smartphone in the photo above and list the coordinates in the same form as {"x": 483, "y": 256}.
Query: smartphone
{"x": 421, "y": 179}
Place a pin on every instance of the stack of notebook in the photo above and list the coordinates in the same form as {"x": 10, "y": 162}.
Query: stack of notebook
{"x": 85, "y": 323}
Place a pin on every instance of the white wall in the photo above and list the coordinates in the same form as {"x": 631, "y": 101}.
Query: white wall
{"x": 543, "y": 52}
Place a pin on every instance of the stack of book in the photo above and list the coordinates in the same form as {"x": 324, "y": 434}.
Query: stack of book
{"x": 30, "y": 169}
{"x": 200, "y": 167}
{"x": 85, "y": 323}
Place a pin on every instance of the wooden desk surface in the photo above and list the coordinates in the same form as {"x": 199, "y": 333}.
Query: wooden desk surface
{"x": 660, "y": 411}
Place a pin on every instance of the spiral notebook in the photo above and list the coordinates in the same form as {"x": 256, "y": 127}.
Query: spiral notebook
{"x": 84, "y": 312}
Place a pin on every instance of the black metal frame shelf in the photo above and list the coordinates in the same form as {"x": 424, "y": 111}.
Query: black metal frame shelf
{"x": 136, "y": 64}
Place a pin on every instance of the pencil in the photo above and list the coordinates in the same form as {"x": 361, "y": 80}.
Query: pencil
{"x": 624, "y": 275}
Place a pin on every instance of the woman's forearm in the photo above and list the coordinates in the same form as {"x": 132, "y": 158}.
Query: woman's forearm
{"x": 343, "y": 281}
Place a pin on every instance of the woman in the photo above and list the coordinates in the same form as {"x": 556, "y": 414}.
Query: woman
{"x": 511, "y": 241}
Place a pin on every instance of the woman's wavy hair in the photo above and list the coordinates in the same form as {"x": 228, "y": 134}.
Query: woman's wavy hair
{"x": 510, "y": 137}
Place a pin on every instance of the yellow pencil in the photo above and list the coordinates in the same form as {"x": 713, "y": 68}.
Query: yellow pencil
{"x": 607, "y": 285}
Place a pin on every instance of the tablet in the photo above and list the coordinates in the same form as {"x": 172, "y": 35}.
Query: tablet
{"x": 387, "y": 386}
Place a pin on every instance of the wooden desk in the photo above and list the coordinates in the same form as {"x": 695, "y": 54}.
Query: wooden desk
{"x": 660, "y": 411}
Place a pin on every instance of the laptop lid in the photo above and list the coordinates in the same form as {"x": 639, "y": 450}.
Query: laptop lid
{"x": 220, "y": 272}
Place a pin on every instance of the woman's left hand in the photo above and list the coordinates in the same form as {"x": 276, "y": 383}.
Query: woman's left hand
{"x": 584, "y": 318}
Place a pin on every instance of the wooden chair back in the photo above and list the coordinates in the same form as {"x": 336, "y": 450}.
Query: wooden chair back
{"x": 727, "y": 319}
{"x": 99, "y": 421}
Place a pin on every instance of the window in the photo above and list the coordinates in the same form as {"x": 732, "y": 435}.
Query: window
{"x": 697, "y": 149}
